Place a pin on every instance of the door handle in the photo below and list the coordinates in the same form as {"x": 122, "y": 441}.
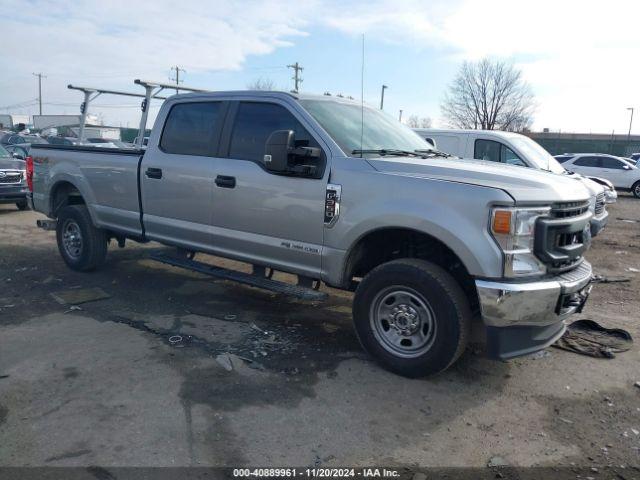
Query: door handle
{"x": 154, "y": 173}
{"x": 225, "y": 182}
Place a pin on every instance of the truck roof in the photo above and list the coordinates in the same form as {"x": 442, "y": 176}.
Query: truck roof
{"x": 264, "y": 93}
{"x": 496, "y": 133}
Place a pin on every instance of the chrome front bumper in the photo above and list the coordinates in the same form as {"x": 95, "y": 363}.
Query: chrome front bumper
{"x": 537, "y": 304}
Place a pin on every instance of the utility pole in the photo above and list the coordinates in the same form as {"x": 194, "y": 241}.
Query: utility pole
{"x": 177, "y": 79}
{"x": 384, "y": 87}
{"x": 630, "y": 123}
{"x": 40, "y": 76}
{"x": 296, "y": 75}
{"x": 400, "y": 117}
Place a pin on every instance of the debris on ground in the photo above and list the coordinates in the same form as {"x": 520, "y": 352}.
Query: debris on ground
{"x": 632, "y": 269}
{"x": 497, "y": 461}
{"x": 540, "y": 354}
{"x": 603, "y": 279}
{"x": 637, "y": 384}
{"x": 73, "y": 309}
{"x": 588, "y": 337}
{"x": 224, "y": 360}
{"x": 3, "y": 376}
{"x": 175, "y": 339}
{"x": 329, "y": 327}
{"x": 75, "y": 296}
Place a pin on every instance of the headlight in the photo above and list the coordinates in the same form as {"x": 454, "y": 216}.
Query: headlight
{"x": 514, "y": 230}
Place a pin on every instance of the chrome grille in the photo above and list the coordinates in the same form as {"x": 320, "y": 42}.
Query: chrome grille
{"x": 600, "y": 203}
{"x": 569, "y": 209}
{"x": 10, "y": 176}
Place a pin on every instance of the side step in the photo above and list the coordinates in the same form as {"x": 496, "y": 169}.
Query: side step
{"x": 297, "y": 291}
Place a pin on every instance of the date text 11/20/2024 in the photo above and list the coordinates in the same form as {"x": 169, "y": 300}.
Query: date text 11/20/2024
{"x": 316, "y": 472}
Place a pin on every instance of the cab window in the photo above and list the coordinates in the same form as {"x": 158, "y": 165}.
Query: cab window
{"x": 255, "y": 122}
{"x": 492, "y": 151}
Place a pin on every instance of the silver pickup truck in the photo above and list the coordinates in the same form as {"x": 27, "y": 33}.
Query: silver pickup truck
{"x": 340, "y": 193}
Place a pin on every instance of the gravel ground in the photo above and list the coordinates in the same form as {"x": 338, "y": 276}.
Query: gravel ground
{"x": 176, "y": 369}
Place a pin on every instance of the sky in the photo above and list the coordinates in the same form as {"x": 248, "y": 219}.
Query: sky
{"x": 579, "y": 57}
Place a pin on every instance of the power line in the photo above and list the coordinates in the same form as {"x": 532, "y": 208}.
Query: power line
{"x": 296, "y": 76}
{"x": 40, "y": 75}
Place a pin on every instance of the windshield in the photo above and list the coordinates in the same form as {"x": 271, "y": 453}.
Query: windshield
{"x": 3, "y": 152}
{"x": 537, "y": 155}
{"x": 343, "y": 121}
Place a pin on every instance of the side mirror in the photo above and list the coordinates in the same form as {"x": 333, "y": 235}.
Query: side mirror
{"x": 626, "y": 167}
{"x": 276, "y": 153}
{"x": 17, "y": 156}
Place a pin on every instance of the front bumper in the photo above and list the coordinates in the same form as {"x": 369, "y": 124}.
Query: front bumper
{"x": 13, "y": 193}
{"x": 521, "y": 318}
{"x": 597, "y": 224}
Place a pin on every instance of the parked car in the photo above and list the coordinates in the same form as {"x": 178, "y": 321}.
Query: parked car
{"x": 609, "y": 190}
{"x": 328, "y": 190}
{"x": 623, "y": 174}
{"x": 110, "y": 143}
{"x": 17, "y": 139}
{"x": 513, "y": 149}
{"x": 13, "y": 186}
{"x": 20, "y": 152}
{"x": 145, "y": 141}
{"x": 635, "y": 157}
{"x": 63, "y": 141}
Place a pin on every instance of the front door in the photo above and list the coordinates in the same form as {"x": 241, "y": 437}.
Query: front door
{"x": 176, "y": 176}
{"x": 262, "y": 217}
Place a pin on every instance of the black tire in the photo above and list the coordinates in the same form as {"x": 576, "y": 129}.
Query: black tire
{"x": 74, "y": 222}
{"x": 635, "y": 189}
{"x": 22, "y": 205}
{"x": 447, "y": 323}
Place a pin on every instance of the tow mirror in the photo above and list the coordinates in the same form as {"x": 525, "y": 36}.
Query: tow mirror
{"x": 276, "y": 153}
{"x": 17, "y": 156}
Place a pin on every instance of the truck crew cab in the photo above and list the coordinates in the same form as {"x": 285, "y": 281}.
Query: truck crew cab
{"x": 338, "y": 192}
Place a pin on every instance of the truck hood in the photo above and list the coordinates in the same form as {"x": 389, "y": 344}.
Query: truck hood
{"x": 523, "y": 184}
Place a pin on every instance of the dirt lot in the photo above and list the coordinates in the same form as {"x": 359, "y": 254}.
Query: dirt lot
{"x": 133, "y": 380}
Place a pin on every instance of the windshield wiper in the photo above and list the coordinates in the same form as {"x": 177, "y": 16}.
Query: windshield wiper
{"x": 434, "y": 153}
{"x": 390, "y": 152}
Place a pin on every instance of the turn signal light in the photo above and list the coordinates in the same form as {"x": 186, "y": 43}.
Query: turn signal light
{"x": 501, "y": 222}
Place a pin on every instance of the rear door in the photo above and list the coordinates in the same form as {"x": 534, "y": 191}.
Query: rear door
{"x": 260, "y": 216}
{"x": 588, "y": 165}
{"x": 614, "y": 171}
{"x": 177, "y": 175}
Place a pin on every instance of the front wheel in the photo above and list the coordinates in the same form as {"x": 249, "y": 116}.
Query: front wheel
{"x": 82, "y": 246}
{"x": 412, "y": 317}
{"x": 636, "y": 189}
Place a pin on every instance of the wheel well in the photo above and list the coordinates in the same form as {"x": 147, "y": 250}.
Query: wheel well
{"x": 63, "y": 194}
{"x": 388, "y": 244}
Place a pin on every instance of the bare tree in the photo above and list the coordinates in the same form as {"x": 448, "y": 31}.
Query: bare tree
{"x": 261, "y": 84}
{"x": 490, "y": 95}
{"x": 414, "y": 121}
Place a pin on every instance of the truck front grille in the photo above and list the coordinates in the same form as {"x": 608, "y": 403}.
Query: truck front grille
{"x": 569, "y": 209}
{"x": 600, "y": 203}
{"x": 10, "y": 176}
{"x": 563, "y": 236}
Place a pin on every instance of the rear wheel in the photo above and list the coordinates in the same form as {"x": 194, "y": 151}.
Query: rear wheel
{"x": 82, "y": 246}
{"x": 636, "y": 189}
{"x": 412, "y": 317}
{"x": 22, "y": 205}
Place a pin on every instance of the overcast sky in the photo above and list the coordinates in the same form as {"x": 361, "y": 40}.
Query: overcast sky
{"x": 580, "y": 57}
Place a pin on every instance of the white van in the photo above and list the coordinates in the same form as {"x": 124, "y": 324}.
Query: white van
{"x": 512, "y": 149}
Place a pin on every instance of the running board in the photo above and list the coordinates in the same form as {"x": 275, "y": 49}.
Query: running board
{"x": 297, "y": 291}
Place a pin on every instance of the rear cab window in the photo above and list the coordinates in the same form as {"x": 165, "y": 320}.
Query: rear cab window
{"x": 192, "y": 129}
